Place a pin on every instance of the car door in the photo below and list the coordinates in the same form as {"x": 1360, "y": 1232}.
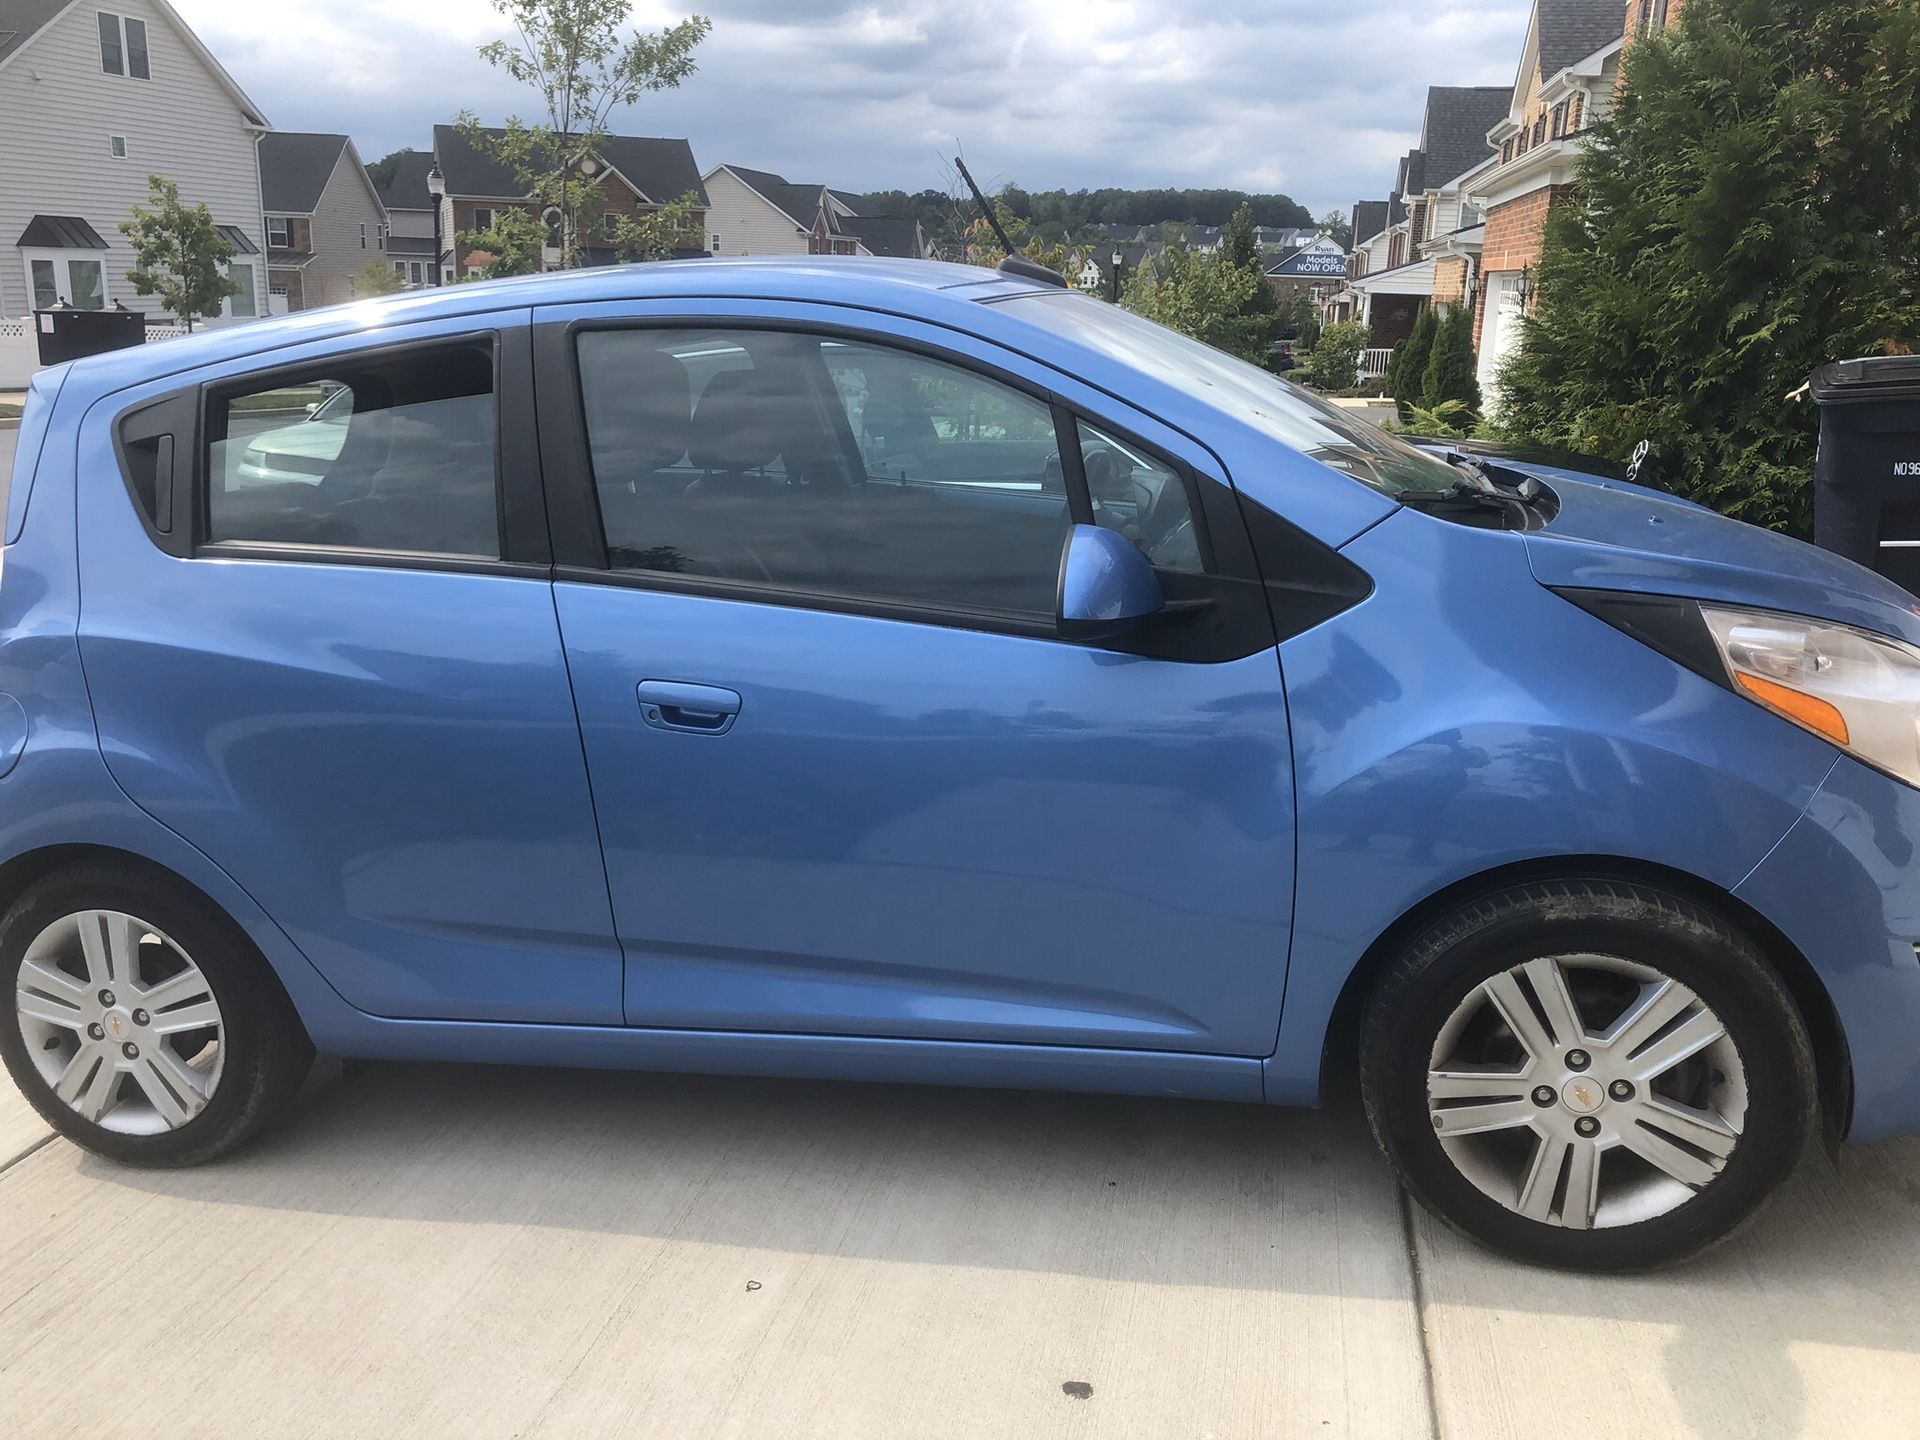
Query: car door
{"x": 849, "y": 780}
{"x": 317, "y": 628}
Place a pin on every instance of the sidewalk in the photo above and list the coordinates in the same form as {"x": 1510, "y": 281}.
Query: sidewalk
{"x": 426, "y": 1251}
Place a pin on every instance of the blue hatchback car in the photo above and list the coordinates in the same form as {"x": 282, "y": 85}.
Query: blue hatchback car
{"x": 910, "y": 672}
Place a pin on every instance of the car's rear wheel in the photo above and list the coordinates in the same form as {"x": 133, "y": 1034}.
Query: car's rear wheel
{"x": 140, "y": 1022}
{"x": 1587, "y": 1073}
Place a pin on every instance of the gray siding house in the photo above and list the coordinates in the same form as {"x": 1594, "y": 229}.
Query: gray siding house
{"x": 94, "y": 98}
{"x": 756, "y": 212}
{"x": 410, "y": 218}
{"x": 325, "y": 221}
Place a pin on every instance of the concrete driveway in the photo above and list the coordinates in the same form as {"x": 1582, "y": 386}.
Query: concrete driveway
{"x": 481, "y": 1252}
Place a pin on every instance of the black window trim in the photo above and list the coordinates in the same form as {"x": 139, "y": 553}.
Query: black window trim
{"x": 519, "y": 506}
{"x": 578, "y": 532}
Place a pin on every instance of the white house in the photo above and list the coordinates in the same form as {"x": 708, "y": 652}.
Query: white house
{"x": 756, "y": 212}
{"x": 93, "y": 99}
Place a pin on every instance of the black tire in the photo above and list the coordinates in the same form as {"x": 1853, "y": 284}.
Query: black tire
{"x": 1423, "y": 986}
{"x": 266, "y": 1050}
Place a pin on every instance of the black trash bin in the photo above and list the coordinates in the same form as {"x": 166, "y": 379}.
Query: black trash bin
{"x": 1866, "y": 496}
{"x": 67, "y": 333}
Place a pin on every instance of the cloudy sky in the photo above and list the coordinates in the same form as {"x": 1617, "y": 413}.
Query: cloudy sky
{"x": 1316, "y": 98}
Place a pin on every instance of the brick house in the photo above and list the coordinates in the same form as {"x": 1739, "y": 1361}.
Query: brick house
{"x": 641, "y": 174}
{"x": 1569, "y": 71}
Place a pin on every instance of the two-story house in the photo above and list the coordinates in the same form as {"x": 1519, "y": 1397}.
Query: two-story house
{"x": 93, "y": 100}
{"x": 640, "y": 174}
{"x": 1420, "y": 244}
{"x": 403, "y": 190}
{"x": 1569, "y": 70}
{"x": 756, "y": 212}
{"x": 324, "y": 220}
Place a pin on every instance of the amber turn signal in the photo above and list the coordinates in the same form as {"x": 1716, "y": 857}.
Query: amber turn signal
{"x": 1809, "y": 710}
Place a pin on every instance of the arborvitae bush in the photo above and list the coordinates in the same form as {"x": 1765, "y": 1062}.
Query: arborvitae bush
{"x": 1750, "y": 211}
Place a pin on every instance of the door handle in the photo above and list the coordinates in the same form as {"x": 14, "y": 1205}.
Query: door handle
{"x": 695, "y": 709}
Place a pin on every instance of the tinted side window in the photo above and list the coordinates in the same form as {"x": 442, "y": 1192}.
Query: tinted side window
{"x": 1143, "y": 498}
{"x": 813, "y": 465}
{"x": 386, "y": 452}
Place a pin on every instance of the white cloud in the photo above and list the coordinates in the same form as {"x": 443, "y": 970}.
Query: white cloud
{"x": 1317, "y": 99}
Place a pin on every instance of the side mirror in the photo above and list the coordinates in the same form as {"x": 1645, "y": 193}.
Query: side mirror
{"x": 1107, "y": 588}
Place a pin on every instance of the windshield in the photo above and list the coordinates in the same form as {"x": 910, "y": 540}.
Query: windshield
{"x": 1249, "y": 394}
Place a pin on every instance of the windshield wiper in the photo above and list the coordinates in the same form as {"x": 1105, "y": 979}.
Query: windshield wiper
{"x": 1476, "y": 486}
{"x": 1461, "y": 491}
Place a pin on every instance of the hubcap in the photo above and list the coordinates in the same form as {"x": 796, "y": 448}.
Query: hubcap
{"x": 1586, "y": 1091}
{"x": 120, "y": 1022}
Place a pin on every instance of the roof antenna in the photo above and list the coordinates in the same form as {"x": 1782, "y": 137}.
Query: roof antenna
{"x": 993, "y": 220}
{"x": 1014, "y": 263}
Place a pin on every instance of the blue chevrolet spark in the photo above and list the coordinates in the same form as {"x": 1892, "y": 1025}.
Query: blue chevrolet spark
{"x": 909, "y": 672}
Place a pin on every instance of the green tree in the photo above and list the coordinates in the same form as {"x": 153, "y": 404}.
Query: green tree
{"x": 1204, "y": 296}
{"x": 1335, "y": 224}
{"x": 1451, "y": 372}
{"x": 1336, "y": 359}
{"x": 1407, "y": 367}
{"x": 377, "y": 277}
{"x": 178, "y": 253}
{"x": 576, "y": 58}
{"x": 1750, "y": 210}
{"x": 1238, "y": 247}
{"x": 513, "y": 245}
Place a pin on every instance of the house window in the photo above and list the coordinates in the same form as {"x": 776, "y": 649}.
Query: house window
{"x": 80, "y": 280}
{"x": 383, "y": 237}
{"x": 117, "y": 146}
{"x": 609, "y": 222}
{"x": 279, "y": 232}
{"x": 243, "y": 304}
{"x": 363, "y": 234}
{"x": 112, "y": 52}
{"x": 1576, "y": 112}
{"x": 715, "y": 238}
{"x": 482, "y": 218}
{"x": 123, "y": 46}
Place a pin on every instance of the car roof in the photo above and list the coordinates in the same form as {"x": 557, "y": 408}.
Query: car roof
{"x": 913, "y": 285}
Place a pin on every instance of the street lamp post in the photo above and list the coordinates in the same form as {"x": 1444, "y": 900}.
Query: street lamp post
{"x": 1117, "y": 257}
{"x": 437, "y": 188}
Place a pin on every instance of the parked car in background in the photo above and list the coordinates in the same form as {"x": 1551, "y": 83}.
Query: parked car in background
{"x": 907, "y": 672}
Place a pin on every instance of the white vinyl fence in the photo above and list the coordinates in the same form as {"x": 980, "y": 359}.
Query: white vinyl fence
{"x": 1373, "y": 363}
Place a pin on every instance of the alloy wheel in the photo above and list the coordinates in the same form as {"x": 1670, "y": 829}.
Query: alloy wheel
{"x": 1586, "y": 1091}
{"x": 120, "y": 1022}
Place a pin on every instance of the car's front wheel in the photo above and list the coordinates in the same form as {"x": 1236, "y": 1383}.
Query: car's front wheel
{"x": 139, "y": 1021}
{"x": 1587, "y": 1073}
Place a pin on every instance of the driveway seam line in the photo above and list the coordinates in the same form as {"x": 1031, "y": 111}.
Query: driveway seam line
{"x": 41, "y": 1143}
{"x": 1420, "y": 1313}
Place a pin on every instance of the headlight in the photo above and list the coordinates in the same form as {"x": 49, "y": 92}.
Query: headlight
{"x": 1853, "y": 687}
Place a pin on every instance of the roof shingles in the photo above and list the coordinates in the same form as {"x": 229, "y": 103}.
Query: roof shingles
{"x": 1571, "y": 30}
{"x": 295, "y": 168}
{"x": 1454, "y": 135}
{"x": 661, "y": 169}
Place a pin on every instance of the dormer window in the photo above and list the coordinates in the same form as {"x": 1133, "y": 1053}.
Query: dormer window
{"x": 123, "y": 46}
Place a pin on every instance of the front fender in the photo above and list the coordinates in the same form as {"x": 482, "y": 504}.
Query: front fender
{"x": 1464, "y": 719}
